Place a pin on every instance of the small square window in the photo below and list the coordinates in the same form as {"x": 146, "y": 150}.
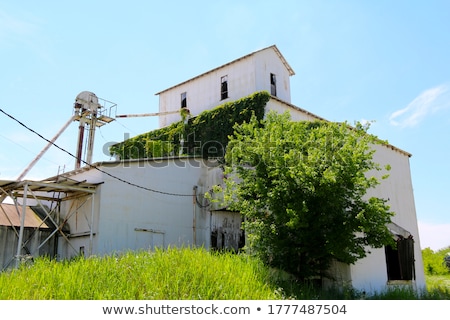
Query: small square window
{"x": 183, "y": 100}
{"x": 224, "y": 87}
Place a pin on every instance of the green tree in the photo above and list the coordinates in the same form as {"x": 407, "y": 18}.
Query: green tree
{"x": 301, "y": 187}
{"x": 434, "y": 262}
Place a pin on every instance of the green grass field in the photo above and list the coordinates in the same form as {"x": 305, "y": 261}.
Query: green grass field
{"x": 176, "y": 274}
{"x": 435, "y": 282}
{"x": 167, "y": 275}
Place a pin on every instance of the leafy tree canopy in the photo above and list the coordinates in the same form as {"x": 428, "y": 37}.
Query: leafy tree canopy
{"x": 302, "y": 187}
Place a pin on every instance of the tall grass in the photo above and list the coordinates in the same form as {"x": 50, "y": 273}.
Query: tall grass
{"x": 178, "y": 274}
{"x": 172, "y": 274}
{"x": 438, "y": 282}
{"x": 407, "y": 293}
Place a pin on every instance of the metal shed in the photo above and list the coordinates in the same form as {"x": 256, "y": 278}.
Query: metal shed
{"x": 34, "y": 232}
{"x": 31, "y": 225}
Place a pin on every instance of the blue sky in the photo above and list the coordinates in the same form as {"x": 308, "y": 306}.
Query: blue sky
{"x": 382, "y": 61}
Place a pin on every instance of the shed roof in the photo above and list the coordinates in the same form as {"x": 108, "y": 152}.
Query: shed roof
{"x": 50, "y": 189}
{"x": 273, "y": 47}
{"x": 11, "y": 216}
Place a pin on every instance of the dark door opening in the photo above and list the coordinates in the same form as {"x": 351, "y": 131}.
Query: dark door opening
{"x": 400, "y": 260}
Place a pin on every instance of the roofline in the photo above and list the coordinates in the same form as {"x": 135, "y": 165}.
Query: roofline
{"x": 290, "y": 105}
{"x": 93, "y": 166}
{"x": 383, "y": 143}
{"x": 274, "y": 47}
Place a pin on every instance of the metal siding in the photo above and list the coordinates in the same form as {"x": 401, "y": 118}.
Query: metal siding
{"x": 32, "y": 237}
{"x": 130, "y": 218}
{"x": 371, "y": 272}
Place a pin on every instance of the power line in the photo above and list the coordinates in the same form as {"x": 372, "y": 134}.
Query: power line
{"x": 21, "y": 146}
{"x": 94, "y": 167}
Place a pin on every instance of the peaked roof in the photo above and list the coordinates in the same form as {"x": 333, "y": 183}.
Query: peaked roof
{"x": 273, "y": 47}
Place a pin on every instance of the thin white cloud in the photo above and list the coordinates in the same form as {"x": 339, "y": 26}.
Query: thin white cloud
{"x": 24, "y": 33}
{"x": 11, "y": 27}
{"x": 428, "y": 102}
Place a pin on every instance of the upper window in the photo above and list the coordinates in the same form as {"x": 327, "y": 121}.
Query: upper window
{"x": 273, "y": 85}
{"x": 183, "y": 100}
{"x": 224, "y": 87}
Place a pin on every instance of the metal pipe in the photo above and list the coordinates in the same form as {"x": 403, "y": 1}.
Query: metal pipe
{"x": 146, "y": 114}
{"x": 90, "y": 147}
{"x": 45, "y": 149}
{"x": 194, "y": 217}
{"x": 22, "y": 225}
{"x": 80, "y": 144}
{"x": 91, "y": 232}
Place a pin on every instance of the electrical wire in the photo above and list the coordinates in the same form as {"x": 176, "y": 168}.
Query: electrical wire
{"x": 28, "y": 150}
{"x": 94, "y": 167}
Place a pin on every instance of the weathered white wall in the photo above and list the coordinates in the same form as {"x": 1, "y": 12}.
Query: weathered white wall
{"x": 267, "y": 62}
{"x": 245, "y": 76}
{"x": 370, "y": 273}
{"x": 129, "y": 218}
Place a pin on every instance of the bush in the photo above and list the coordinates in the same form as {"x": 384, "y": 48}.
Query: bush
{"x": 434, "y": 263}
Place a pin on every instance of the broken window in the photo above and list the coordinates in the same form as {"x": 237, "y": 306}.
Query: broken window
{"x": 400, "y": 260}
{"x": 273, "y": 85}
{"x": 183, "y": 100}
{"x": 224, "y": 87}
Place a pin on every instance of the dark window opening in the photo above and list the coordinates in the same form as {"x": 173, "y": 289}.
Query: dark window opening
{"x": 273, "y": 85}
{"x": 224, "y": 241}
{"x": 400, "y": 260}
{"x": 224, "y": 87}
{"x": 183, "y": 100}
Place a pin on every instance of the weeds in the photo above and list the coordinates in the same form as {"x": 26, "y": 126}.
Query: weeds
{"x": 178, "y": 274}
{"x": 172, "y": 274}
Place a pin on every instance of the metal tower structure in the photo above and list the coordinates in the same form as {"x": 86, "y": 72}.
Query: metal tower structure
{"x": 90, "y": 114}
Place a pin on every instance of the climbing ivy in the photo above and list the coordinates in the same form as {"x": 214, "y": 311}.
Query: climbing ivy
{"x": 205, "y": 135}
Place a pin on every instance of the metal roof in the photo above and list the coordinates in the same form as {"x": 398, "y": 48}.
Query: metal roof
{"x": 57, "y": 188}
{"x": 10, "y": 215}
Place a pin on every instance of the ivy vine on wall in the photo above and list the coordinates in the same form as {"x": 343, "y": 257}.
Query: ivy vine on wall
{"x": 205, "y": 135}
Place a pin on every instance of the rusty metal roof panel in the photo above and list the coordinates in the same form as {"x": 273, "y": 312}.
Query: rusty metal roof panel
{"x": 11, "y": 216}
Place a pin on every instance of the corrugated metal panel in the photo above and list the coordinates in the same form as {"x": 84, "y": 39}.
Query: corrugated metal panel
{"x": 33, "y": 239}
{"x": 34, "y": 233}
{"x": 10, "y": 215}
